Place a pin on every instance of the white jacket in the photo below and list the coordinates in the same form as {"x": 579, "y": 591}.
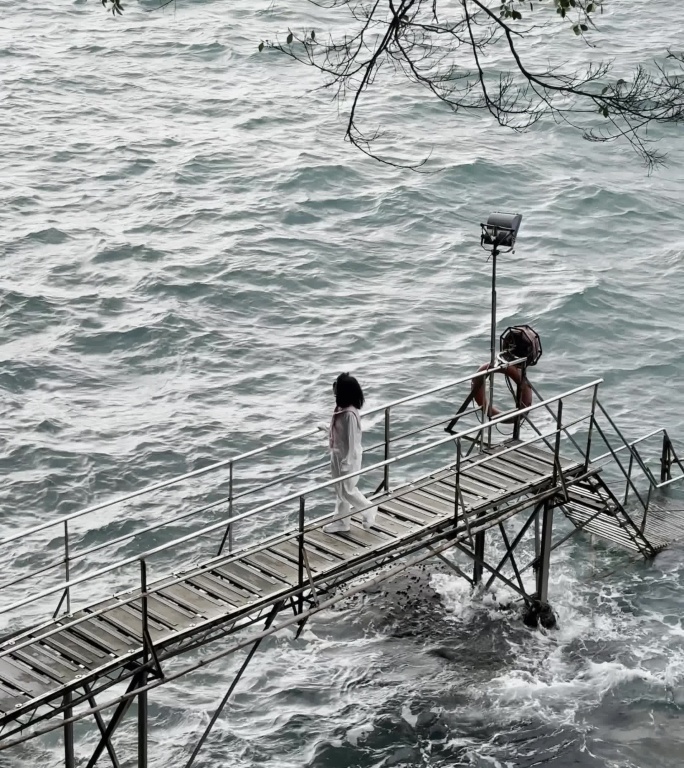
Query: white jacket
{"x": 345, "y": 439}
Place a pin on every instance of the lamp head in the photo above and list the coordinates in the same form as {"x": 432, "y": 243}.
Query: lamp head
{"x": 501, "y": 230}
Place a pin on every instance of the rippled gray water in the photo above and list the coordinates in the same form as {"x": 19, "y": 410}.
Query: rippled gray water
{"x": 190, "y": 253}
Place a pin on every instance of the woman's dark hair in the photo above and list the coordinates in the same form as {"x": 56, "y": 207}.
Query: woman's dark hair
{"x": 348, "y": 392}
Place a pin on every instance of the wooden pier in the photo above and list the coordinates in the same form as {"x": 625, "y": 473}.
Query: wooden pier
{"x": 58, "y": 672}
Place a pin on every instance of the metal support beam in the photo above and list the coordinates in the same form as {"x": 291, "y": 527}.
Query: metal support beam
{"x": 117, "y": 717}
{"x": 142, "y": 723}
{"x": 511, "y": 555}
{"x": 101, "y": 725}
{"x": 527, "y": 598}
{"x": 544, "y": 560}
{"x": 533, "y": 517}
{"x": 300, "y": 564}
{"x": 69, "y": 754}
{"x": 451, "y": 565}
{"x": 665, "y": 462}
{"x": 479, "y": 557}
{"x": 386, "y": 471}
{"x": 236, "y": 680}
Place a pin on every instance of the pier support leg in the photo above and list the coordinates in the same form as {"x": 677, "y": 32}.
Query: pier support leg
{"x": 540, "y": 613}
{"x": 69, "y": 755}
{"x": 544, "y": 561}
{"x": 479, "y": 557}
{"x": 142, "y": 723}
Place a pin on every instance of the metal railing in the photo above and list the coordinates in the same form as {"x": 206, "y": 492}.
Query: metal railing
{"x": 129, "y": 596}
{"x": 226, "y": 525}
{"x": 640, "y": 482}
{"x": 72, "y": 556}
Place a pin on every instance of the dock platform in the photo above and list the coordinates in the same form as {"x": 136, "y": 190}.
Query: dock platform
{"x": 52, "y": 674}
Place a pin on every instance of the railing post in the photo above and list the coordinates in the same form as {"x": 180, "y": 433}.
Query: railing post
{"x": 457, "y": 483}
{"x": 587, "y": 457}
{"x": 142, "y": 697}
{"x": 629, "y": 477}
{"x": 228, "y": 533}
{"x": 66, "y": 567}
{"x": 230, "y": 507}
{"x": 556, "y": 457}
{"x": 665, "y": 461}
{"x": 386, "y": 471}
{"x": 300, "y": 563}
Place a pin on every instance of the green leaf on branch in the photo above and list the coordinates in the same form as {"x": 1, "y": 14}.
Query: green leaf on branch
{"x": 261, "y": 46}
{"x": 289, "y": 38}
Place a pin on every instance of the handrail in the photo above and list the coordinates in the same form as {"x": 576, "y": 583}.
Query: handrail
{"x": 291, "y": 497}
{"x": 629, "y": 445}
{"x": 226, "y": 462}
{"x": 155, "y": 487}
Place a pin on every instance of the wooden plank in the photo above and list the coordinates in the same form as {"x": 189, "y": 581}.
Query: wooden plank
{"x": 105, "y": 636}
{"x": 527, "y": 462}
{"x": 438, "y": 507}
{"x": 17, "y": 675}
{"x": 407, "y": 512}
{"x": 470, "y": 485}
{"x": 249, "y": 579}
{"x": 369, "y": 539}
{"x": 545, "y": 455}
{"x": 392, "y": 525}
{"x": 290, "y": 551}
{"x": 47, "y": 663}
{"x": 162, "y": 615}
{"x": 274, "y": 565}
{"x": 484, "y": 475}
{"x": 501, "y": 467}
{"x": 76, "y": 649}
{"x": 129, "y": 625}
{"x": 9, "y": 699}
{"x": 447, "y": 494}
{"x": 191, "y": 599}
{"x": 128, "y": 619}
{"x": 336, "y": 546}
{"x": 225, "y": 590}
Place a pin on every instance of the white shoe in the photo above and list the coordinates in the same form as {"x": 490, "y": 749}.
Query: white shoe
{"x": 337, "y": 526}
{"x": 368, "y": 519}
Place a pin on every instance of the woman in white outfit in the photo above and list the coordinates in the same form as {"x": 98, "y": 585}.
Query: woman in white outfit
{"x": 346, "y": 454}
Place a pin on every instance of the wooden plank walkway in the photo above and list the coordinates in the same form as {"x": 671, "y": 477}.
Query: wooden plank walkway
{"x": 63, "y": 658}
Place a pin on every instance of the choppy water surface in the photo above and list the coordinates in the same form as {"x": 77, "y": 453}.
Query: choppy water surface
{"x": 190, "y": 253}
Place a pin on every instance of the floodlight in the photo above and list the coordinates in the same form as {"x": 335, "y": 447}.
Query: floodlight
{"x": 500, "y": 230}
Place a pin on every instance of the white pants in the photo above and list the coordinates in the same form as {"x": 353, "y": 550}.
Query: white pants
{"x": 348, "y": 496}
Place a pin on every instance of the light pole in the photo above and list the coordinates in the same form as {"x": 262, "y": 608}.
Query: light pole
{"x": 498, "y": 233}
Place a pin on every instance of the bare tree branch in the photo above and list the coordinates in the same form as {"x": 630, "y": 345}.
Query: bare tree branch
{"x": 448, "y": 49}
